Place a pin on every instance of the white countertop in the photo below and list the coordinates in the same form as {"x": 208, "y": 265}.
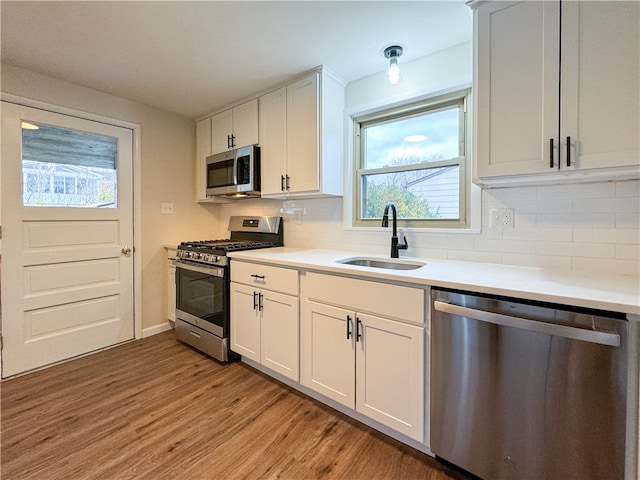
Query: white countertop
{"x": 620, "y": 293}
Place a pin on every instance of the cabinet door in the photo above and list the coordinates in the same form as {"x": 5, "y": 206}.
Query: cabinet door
{"x": 600, "y": 84}
{"x": 171, "y": 291}
{"x": 203, "y": 150}
{"x": 279, "y": 333}
{"x": 390, "y": 374}
{"x": 273, "y": 141}
{"x": 245, "y": 124}
{"x": 302, "y": 135}
{"x": 221, "y": 128}
{"x": 245, "y": 321}
{"x": 328, "y": 365}
{"x": 517, "y": 87}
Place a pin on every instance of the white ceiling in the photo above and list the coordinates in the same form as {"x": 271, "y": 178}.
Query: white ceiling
{"x": 193, "y": 58}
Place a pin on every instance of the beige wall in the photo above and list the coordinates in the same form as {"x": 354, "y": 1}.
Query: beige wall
{"x": 167, "y": 147}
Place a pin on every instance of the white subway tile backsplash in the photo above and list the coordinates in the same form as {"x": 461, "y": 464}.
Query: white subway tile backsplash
{"x": 607, "y": 235}
{"x": 630, "y": 188}
{"x": 606, "y": 266}
{"x": 558, "y": 234}
{"x": 628, "y": 252}
{"x": 606, "y": 205}
{"x": 627, "y": 220}
{"x": 593, "y": 226}
{"x": 578, "y": 190}
{"x": 576, "y": 219}
{"x": 540, "y": 261}
{"x": 591, "y": 250}
{"x": 474, "y": 256}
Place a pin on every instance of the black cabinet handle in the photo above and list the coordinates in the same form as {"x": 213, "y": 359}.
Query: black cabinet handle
{"x": 282, "y": 183}
{"x": 255, "y": 300}
{"x": 233, "y": 140}
{"x": 287, "y": 182}
{"x": 358, "y": 334}
{"x": 568, "y": 151}
{"x": 228, "y": 141}
{"x": 551, "y": 153}
{"x": 260, "y": 303}
{"x": 258, "y": 277}
{"x": 348, "y": 327}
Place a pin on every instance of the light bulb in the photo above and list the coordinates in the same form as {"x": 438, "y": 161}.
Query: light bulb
{"x": 394, "y": 71}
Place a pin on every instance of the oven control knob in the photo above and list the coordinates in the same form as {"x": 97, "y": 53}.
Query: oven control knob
{"x": 216, "y": 259}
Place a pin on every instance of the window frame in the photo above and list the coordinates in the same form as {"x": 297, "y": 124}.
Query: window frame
{"x": 405, "y": 110}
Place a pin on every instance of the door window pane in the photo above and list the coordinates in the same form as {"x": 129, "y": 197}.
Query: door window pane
{"x": 62, "y": 167}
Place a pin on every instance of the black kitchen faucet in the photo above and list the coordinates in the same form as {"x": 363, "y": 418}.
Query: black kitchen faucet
{"x": 395, "y": 246}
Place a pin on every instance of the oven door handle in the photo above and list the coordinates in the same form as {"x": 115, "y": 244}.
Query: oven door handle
{"x": 214, "y": 271}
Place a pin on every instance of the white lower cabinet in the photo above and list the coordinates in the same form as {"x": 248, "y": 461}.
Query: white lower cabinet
{"x": 264, "y": 323}
{"x": 372, "y": 364}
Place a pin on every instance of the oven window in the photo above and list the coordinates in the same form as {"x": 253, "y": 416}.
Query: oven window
{"x": 220, "y": 174}
{"x": 201, "y": 295}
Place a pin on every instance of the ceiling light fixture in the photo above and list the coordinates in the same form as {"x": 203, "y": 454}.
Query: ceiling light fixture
{"x": 393, "y": 54}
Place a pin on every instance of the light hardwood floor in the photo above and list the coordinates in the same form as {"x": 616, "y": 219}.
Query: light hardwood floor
{"x": 156, "y": 409}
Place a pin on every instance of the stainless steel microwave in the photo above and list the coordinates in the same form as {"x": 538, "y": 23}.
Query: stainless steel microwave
{"x": 235, "y": 173}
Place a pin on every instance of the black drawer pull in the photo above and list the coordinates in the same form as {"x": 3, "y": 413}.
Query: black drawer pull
{"x": 259, "y": 277}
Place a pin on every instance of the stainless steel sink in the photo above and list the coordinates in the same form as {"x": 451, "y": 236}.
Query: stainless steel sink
{"x": 388, "y": 264}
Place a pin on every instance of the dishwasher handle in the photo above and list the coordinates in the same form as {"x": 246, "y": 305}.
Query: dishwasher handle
{"x": 592, "y": 336}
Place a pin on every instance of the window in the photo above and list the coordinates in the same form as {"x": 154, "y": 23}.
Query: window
{"x": 62, "y": 167}
{"x": 413, "y": 156}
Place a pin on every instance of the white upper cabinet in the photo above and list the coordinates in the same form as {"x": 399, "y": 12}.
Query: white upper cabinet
{"x": 203, "y": 150}
{"x": 273, "y": 140}
{"x": 557, "y": 91}
{"x": 301, "y": 135}
{"x": 235, "y": 128}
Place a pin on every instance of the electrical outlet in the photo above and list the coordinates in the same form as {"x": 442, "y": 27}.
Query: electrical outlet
{"x": 166, "y": 208}
{"x": 501, "y": 217}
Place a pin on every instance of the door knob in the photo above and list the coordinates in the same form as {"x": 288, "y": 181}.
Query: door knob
{"x": 126, "y": 250}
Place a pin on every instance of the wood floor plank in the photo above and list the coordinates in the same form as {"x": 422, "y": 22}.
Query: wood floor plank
{"x": 156, "y": 409}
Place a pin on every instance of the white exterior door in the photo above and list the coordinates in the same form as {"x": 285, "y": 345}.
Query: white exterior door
{"x": 67, "y": 217}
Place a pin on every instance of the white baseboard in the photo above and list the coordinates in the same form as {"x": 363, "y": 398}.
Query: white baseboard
{"x": 162, "y": 327}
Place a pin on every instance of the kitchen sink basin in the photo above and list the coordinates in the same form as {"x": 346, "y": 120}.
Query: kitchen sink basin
{"x": 388, "y": 264}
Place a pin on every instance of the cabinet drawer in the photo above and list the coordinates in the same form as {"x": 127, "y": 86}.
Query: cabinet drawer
{"x": 382, "y": 299}
{"x": 278, "y": 279}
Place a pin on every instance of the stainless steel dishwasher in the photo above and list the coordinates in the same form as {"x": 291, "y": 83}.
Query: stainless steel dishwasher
{"x": 526, "y": 390}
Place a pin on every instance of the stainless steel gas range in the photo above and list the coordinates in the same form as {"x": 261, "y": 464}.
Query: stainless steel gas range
{"x": 202, "y": 282}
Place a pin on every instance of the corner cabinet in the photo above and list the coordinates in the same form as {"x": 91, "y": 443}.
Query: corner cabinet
{"x": 373, "y": 363}
{"x": 264, "y": 316}
{"x": 542, "y": 120}
{"x": 301, "y": 137}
